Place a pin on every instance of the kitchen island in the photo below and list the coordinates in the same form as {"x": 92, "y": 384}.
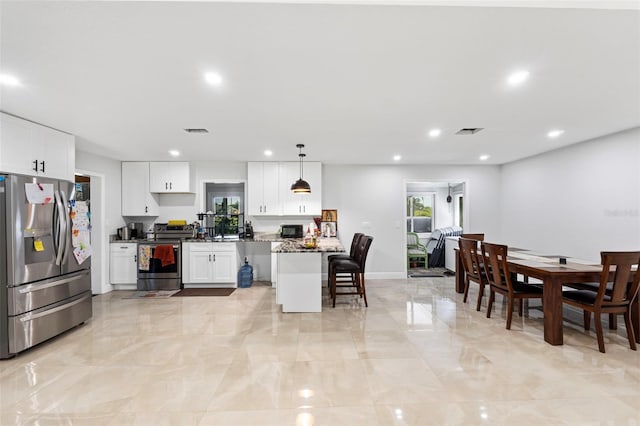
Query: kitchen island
{"x": 299, "y": 282}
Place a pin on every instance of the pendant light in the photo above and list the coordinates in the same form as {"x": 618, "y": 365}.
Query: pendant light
{"x": 449, "y": 199}
{"x": 301, "y": 186}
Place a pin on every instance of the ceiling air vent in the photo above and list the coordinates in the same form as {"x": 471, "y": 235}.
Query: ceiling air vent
{"x": 469, "y": 130}
{"x": 196, "y": 130}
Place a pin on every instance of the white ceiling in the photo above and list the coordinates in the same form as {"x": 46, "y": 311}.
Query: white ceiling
{"x": 356, "y": 83}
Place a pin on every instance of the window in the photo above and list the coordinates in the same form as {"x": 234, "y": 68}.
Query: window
{"x": 420, "y": 212}
{"x": 224, "y": 204}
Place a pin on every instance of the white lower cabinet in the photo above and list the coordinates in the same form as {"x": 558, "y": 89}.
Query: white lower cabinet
{"x": 123, "y": 269}
{"x": 209, "y": 263}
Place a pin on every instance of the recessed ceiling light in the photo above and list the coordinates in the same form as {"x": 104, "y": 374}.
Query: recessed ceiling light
{"x": 518, "y": 77}
{"x": 434, "y": 133}
{"x": 9, "y": 80}
{"x": 484, "y": 157}
{"x": 213, "y": 78}
{"x": 268, "y": 152}
{"x": 555, "y": 133}
{"x": 397, "y": 157}
{"x": 174, "y": 152}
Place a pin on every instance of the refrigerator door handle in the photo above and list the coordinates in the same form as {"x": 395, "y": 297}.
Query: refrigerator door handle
{"x": 31, "y": 317}
{"x": 67, "y": 221}
{"x": 62, "y": 228}
{"x": 36, "y": 287}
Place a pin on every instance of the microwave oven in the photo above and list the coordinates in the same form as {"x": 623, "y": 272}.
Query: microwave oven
{"x": 291, "y": 231}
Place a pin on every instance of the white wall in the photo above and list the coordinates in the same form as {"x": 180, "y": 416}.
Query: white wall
{"x": 575, "y": 201}
{"x": 112, "y": 172}
{"x": 370, "y": 199}
{"x": 106, "y": 177}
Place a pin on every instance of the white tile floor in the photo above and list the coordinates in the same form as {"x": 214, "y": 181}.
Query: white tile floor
{"x": 416, "y": 356}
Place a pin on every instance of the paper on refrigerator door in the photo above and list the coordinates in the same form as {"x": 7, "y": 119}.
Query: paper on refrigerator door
{"x": 39, "y": 193}
{"x": 80, "y": 227}
{"x": 82, "y": 253}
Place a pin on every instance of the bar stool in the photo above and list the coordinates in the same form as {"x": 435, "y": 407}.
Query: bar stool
{"x": 349, "y": 273}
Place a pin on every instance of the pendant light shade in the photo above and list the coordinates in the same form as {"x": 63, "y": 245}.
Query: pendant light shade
{"x": 301, "y": 186}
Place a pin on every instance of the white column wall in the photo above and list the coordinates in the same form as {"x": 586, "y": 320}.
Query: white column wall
{"x": 370, "y": 199}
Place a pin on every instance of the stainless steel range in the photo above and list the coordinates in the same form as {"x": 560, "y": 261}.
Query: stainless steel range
{"x": 160, "y": 259}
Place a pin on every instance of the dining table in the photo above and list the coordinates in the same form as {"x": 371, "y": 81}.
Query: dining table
{"x": 553, "y": 275}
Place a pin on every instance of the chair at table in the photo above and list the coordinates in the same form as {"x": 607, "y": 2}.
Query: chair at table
{"x": 503, "y": 282}
{"x": 612, "y": 297}
{"x": 352, "y": 251}
{"x": 349, "y": 273}
{"x": 473, "y": 270}
{"x": 415, "y": 250}
{"x": 477, "y": 237}
{"x": 350, "y": 256}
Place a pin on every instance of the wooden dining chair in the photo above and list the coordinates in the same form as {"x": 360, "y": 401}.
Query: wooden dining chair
{"x": 477, "y": 237}
{"x": 612, "y": 297}
{"x": 503, "y": 282}
{"x": 473, "y": 270}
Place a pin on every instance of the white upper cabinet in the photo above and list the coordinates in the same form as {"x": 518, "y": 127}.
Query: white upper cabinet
{"x": 269, "y": 191}
{"x": 137, "y": 200}
{"x": 170, "y": 176}
{"x": 263, "y": 195}
{"x": 301, "y": 204}
{"x": 31, "y": 149}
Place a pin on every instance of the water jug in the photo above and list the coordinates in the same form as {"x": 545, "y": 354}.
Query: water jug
{"x": 245, "y": 275}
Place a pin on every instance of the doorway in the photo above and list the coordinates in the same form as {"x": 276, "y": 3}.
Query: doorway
{"x": 90, "y": 186}
{"x": 432, "y": 210}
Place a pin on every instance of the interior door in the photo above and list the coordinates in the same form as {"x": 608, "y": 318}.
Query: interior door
{"x": 32, "y": 238}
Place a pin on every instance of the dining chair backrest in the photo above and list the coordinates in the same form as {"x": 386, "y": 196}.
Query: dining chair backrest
{"x": 362, "y": 251}
{"x": 495, "y": 265}
{"x": 470, "y": 259}
{"x": 621, "y": 263}
{"x": 354, "y": 243}
{"x": 477, "y": 237}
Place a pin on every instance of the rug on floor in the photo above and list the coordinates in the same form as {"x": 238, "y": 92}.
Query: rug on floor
{"x": 426, "y": 273}
{"x": 151, "y": 294}
{"x": 185, "y": 292}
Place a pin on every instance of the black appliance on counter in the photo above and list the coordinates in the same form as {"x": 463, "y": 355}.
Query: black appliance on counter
{"x": 248, "y": 231}
{"x": 291, "y": 231}
{"x": 160, "y": 259}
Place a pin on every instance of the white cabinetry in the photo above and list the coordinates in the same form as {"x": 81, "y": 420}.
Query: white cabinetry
{"x": 269, "y": 190}
{"x": 123, "y": 265}
{"x": 170, "y": 176}
{"x": 262, "y": 192}
{"x": 209, "y": 263}
{"x": 301, "y": 204}
{"x": 31, "y": 149}
{"x": 137, "y": 200}
{"x": 450, "y": 243}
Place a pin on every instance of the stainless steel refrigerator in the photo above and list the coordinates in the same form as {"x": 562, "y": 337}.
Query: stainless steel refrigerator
{"x": 44, "y": 290}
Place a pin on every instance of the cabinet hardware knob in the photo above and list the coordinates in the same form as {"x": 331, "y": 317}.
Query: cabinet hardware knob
{"x": 42, "y": 166}
{"x": 170, "y": 185}
{"x": 35, "y": 165}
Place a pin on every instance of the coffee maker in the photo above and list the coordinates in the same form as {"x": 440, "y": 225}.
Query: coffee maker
{"x": 136, "y": 230}
{"x": 248, "y": 231}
